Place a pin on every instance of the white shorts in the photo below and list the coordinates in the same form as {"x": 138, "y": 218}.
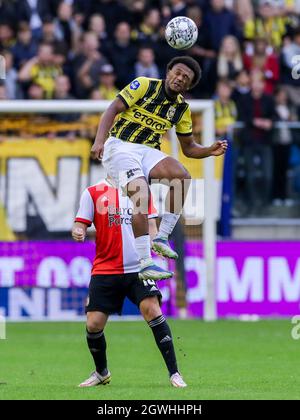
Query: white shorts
{"x": 125, "y": 161}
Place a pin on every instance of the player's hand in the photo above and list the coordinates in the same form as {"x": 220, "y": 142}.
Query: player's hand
{"x": 78, "y": 234}
{"x": 218, "y": 148}
{"x": 97, "y": 151}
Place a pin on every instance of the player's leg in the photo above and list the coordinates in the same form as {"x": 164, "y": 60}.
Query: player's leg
{"x": 105, "y": 297}
{"x": 152, "y": 228}
{"x": 96, "y": 342}
{"x": 147, "y": 296}
{"x": 178, "y": 178}
{"x": 139, "y": 193}
{"x": 122, "y": 160}
{"x": 152, "y": 314}
{"x": 95, "y": 325}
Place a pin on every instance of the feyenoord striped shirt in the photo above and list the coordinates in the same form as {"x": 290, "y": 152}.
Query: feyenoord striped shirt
{"x": 111, "y": 211}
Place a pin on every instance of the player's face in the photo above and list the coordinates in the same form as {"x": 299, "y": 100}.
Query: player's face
{"x": 179, "y": 78}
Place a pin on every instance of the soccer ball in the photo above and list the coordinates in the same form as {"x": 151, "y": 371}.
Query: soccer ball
{"x": 181, "y": 33}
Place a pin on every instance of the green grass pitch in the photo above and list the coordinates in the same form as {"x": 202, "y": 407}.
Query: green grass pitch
{"x": 219, "y": 360}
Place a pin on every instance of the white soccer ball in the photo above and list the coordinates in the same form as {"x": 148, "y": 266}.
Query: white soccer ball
{"x": 181, "y": 33}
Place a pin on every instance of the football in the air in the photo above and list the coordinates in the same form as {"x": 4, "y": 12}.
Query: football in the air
{"x": 181, "y": 33}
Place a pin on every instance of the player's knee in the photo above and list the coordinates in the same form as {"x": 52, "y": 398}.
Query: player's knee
{"x": 182, "y": 174}
{"x": 150, "y": 309}
{"x": 186, "y": 175}
{"x": 93, "y": 324}
{"x": 93, "y": 327}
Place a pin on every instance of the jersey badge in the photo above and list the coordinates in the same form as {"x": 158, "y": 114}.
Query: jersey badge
{"x": 134, "y": 85}
{"x": 171, "y": 113}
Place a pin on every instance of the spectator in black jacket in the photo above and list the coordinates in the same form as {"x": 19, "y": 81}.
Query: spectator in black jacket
{"x": 204, "y": 54}
{"x": 242, "y": 86}
{"x": 8, "y": 11}
{"x": 256, "y": 110}
{"x": 283, "y": 138}
{"x": 122, "y": 54}
{"x": 177, "y": 8}
{"x": 86, "y": 65}
{"x": 7, "y": 36}
{"x": 220, "y": 22}
{"x": 113, "y": 11}
{"x": 25, "y": 48}
{"x": 34, "y": 12}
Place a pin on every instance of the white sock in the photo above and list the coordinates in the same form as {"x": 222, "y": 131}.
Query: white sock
{"x": 142, "y": 244}
{"x": 167, "y": 224}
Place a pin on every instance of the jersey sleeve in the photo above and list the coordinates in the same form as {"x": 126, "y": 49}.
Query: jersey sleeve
{"x": 152, "y": 212}
{"x": 184, "y": 127}
{"x": 85, "y": 213}
{"x": 134, "y": 91}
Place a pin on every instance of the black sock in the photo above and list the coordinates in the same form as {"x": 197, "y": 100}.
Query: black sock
{"x": 97, "y": 345}
{"x": 163, "y": 338}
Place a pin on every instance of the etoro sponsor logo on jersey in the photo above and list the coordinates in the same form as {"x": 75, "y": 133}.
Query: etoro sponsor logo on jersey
{"x": 148, "y": 120}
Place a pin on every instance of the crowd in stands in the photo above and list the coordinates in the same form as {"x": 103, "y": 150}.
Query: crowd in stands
{"x": 248, "y": 52}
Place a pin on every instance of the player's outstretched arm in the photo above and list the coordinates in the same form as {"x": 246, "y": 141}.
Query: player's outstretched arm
{"x": 79, "y": 231}
{"x": 194, "y": 150}
{"x": 105, "y": 124}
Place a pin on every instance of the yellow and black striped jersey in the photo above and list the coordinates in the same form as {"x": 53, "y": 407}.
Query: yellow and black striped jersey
{"x": 225, "y": 114}
{"x": 150, "y": 113}
{"x": 272, "y": 29}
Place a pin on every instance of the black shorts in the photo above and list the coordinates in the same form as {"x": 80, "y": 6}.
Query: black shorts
{"x": 108, "y": 292}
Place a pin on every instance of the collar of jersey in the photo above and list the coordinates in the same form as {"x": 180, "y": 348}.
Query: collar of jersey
{"x": 110, "y": 182}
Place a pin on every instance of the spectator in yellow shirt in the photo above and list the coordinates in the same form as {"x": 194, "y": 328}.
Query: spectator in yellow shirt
{"x": 271, "y": 24}
{"x": 42, "y": 70}
{"x": 107, "y": 88}
{"x": 225, "y": 108}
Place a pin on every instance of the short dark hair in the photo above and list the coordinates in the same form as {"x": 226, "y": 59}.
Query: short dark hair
{"x": 191, "y": 64}
{"x": 224, "y": 81}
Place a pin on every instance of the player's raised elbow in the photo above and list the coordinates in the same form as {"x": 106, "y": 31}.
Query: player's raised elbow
{"x": 187, "y": 145}
{"x": 188, "y": 150}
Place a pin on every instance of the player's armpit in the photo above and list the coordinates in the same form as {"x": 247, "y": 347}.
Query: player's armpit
{"x": 105, "y": 124}
{"x": 134, "y": 91}
{"x": 119, "y": 105}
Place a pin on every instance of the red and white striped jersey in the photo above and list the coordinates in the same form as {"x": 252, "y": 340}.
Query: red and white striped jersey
{"x": 111, "y": 212}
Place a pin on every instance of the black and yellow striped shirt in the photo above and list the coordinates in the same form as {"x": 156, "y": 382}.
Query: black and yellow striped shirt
{"x": 150, "y": 113}
{"x": 225, "y": 114}
{"x": 272, "y": 29}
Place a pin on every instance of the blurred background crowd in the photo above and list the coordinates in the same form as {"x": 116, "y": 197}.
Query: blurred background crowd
{"x": 248, "y": 51}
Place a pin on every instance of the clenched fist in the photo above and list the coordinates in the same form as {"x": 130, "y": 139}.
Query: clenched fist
{"x": 78, "y": 234}
{"x": 218, "y": 148}
{"x": 97, "y": 151}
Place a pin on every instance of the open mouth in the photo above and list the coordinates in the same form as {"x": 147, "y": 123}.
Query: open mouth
{"x": 178, "y": 85}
